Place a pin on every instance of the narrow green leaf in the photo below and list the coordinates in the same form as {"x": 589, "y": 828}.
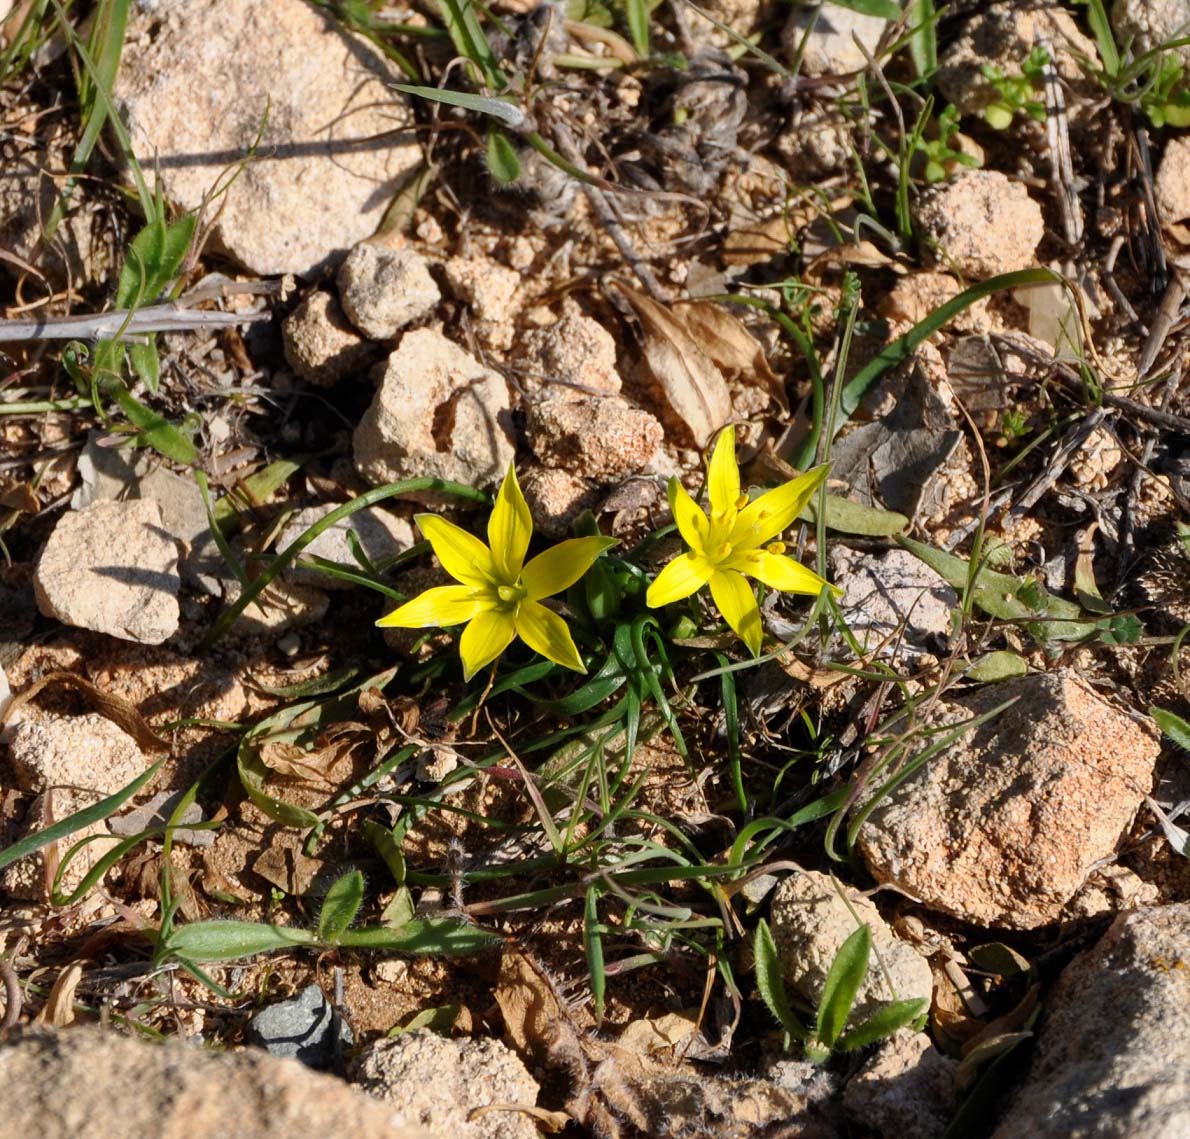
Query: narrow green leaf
{"x": 593, "y": 943}
{"x": 923, "y": 37}
{"x": 64, "y": 828}
{"x": 1169, "y": 722}
{"x": 339, "y": 907}
{"x": 636, "y": 12}
{"x": 253, "y": 774}
{"x": 847, "y": 517}
{"x": 883, "y": 1022}
{"x": 503, "y": 163}
{"x": 508, "y": 113}
{"x": 846, "y": 974}
{"x": 771, "y": 984}
{"x": 227, "y": 940}
{"x": 881, "y": 9}
{"x": 146, "y": 364}
{"x": 441, "y": 1020}
{"x": 154, "y": 430}
{"x": 386, "y": 844}
{"x": 1000, "y": 665}
{"x": 429, "y": 936}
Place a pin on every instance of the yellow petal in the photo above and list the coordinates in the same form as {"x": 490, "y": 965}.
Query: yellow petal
{"x": 723, "y": 473}
{"x": 735, "y": 600}
{"x": 462, "y": 555}
{"x": 686, "y": 574}
{"x": 443, "y": 605}
{"x": 780, "y": 572}
{"x": 561, "y": 566}
{"x": 485, "y": 638}
{"x": 692, "y": 522}
{"x": 774, "y": 511}
{"x": 509, "y": 528}
{"x": 546, "y": 633}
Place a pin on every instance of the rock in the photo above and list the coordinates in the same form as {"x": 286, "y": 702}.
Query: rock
{"x": 1172, "y": 184}
{"x": 320, "y": 344}
{"x": 1001, "y": 36}
{"x": 83, "y": 753}
{"x": 982, "y": 223}
{"x": 439, "y": 1082}
{"x": 305, "y": 1027}
{"x": 30, "y": 878}
{"x": 381, "y": 536}
{"x": 114, "y": 474}
{"x": 1112, "y": 1058}
{"x": 556, "y": 498}
{"x": 383, "y": 290}
{"x": 280, "y": 607}
{"x": 810, "y": 921}
{"x": 95, "y": 1082}
{"x": 893, "y": 597}
{"x": 439, "y": 412}
{"x": 156, "y": 812}
{"x": 572, "y": 357}
{"x": 818, "y": 142}
{"x": 195, "y": 85}
{"x": 1150, "y": 24}
{"x": 599, "y": 437}
{"x": 829, "y": 48}
{"x": 916, "y": 295}
{"x": 493, "y": 292}
{"x": 1002, "y": 826}
{"x": 905, "y": 1091}
{"x": 111, "y": 568}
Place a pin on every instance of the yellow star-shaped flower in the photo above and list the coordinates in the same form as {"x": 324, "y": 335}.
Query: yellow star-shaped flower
{"x": 498, "y": 595}
{"x": 736, "y": 541}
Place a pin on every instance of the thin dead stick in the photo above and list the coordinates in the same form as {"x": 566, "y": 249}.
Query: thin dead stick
{"x": 12, "y": 993}
{"x": 170, "y": 317}
{"x": 1057, "y": 131}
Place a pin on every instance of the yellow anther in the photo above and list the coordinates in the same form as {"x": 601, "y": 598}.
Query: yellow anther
{"x": 723, "y": 551}
{"x": 741, "y": 502}
{"x": 776, "y": 547}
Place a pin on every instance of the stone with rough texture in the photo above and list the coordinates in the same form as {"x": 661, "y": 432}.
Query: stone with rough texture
{"x": 439, "y": 1082}
{"x": 381, "y": 535}
{"x": 438, "y": 412}
{"x": 1171, "y": 187}
{"x": 383, "y": 290}
{"x": 96, "y": 1083}
{"x": 893, "y": 599}
{"x": 283, "y": 605}
{"x": 980, "y": 224}
{"x": 85, "y": 753}
{"x": 320, "y": 344}
{"x": 1003, "y": 825}
{"x": 1149, "y": 24}
{"x": 302, "y": 1028}
{"x": 573, "y": 357}
{"x": 112, "y": 568}
{"x": 830, "y": 48}
{"x": 196, "y": 84}
{"x": 598, "y": 437}
{"x": 493, "y": 293}
{"x": 1001, "y": 36}
{"x": 1112, "y": 1058}
{"x": 556, "y": 498}
{"x": 905, "y": 1091}
{"x": 29, "y": 878}
{"x": 810, "y": 921}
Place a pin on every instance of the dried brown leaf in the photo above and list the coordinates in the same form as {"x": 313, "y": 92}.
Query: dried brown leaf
{"x": 732, "y": 348}
{"x": 690, "y": 383}
{"x": 59, "y": 1006}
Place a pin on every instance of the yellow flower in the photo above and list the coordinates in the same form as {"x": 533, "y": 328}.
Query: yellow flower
{"x": 499, "y": 597}
{"x": 738, "y": 539}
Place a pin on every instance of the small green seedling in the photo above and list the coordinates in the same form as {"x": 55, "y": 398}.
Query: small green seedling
{"x": 940, "y": 154}
{"x": 1017, "y": 92}
{"x": 830, "y": 1033}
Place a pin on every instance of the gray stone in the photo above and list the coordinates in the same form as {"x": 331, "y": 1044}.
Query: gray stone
{"x": 829, "y": 48}
{"x": 1112, "y": 1058}
{"x": 1150, "y": 24}
{"x": 383, "y": 290}
{"x": 906, "y": 1090}
{"x": 276, "y": 93}
{"x": 381, "y": 536}
{"x": 112, "y": 567}
{"x": 303, "y": 1028}
{"x": 156, "y": 812}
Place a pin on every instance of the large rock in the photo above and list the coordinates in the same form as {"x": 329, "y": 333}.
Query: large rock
{"x": 1005, "y": 823}
{"x": 84, "y": 753}
{"x": 441, "y": 1082}
{"x": 598, "y": 437}
{"x": 1149, "y": 24}
{"x": 824, "y": 36}
{"x": 811, "y": 917}
{"x": 980, "y": 224}
{"x": 439, "y": 412}
{"x": 906, "y": 1090}
{"x": 112, "y": 568}
{"x": 99, "y": 1084}
{"x": 197, "y": 83}
{"x": 1113, "y": 1053}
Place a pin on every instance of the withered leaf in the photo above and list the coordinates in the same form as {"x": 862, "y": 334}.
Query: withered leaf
{"x": 732, "y": 348}
{"x": 689, "y": 381}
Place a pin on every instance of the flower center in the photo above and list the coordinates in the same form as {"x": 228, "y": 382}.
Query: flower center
{"x": 511, "y": 595}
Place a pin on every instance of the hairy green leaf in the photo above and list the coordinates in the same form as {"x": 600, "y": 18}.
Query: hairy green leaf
{"x": 771, "y": 984}
{"x": 846, "y": 974}
{"x": 883, "y": 1022}
{"x": 339, "y": 907}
